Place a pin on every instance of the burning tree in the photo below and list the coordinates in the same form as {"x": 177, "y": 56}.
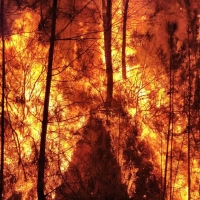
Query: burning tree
{"x": 102, "y": 100}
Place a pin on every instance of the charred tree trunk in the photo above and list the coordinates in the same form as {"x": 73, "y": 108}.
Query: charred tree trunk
{"x": 2, "y": 101}
{"x": 171, "y": 28}
{"x": 189, "y": 115}
{"x": 42, "y": 156}
{"x": 107, "y": 25}
{"x": 125, "y": 4}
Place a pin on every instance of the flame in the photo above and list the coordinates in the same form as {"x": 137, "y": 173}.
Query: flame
{"x": 144, "y": 97}
{"x": 29, "y": 60}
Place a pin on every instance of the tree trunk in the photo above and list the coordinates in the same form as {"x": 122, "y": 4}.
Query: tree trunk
{"x": 171, "y": 29}
{"x": 191, "y": 46}
{"x": 2, "y": 101}
{"x": 189, "y": 116}
{"x": 42, "y": 157}
{"x": 107, "y": 25}
{"x": 125, "y": 13}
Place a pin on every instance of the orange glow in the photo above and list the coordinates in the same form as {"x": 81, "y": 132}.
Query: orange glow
{"x": 141, "y": 104}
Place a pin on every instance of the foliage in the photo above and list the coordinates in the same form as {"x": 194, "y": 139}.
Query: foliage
{"x": 93, "y": 171}
{"x": 146, "y": 182}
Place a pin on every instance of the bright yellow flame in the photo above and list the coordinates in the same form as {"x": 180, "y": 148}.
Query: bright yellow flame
{"x": 132, "y": 111}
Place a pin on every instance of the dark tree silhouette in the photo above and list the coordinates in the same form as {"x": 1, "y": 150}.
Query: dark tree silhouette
{"x": 107, "y": 25}
{"x": 125, "y": 13}
{"x": 42, "y": 157}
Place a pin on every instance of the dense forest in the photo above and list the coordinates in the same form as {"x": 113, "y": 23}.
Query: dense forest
{"x": 100, "y": 99}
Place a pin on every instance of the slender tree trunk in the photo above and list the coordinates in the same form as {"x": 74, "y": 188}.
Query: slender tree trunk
{"x": 42, "y": 157}
{"x": 172, "y": 122}
{"x": 169, "y": 137}
{"x": 171, "y": 28}
{"x": 189, "y": 116}
{"x": 125, "y": 13}
{"x": 2, "y": 101}
{"x": 107, "y": 25}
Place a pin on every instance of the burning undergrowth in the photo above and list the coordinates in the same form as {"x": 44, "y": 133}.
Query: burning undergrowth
{"x": 95, "y": 171}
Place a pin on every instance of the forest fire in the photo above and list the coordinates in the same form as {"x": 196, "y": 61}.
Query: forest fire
{"x": 100, "y": 100}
